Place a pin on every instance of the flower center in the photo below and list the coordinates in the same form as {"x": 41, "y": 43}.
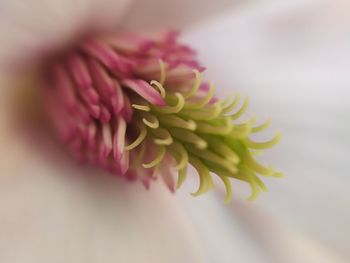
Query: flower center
{"x": 136, "y": 106}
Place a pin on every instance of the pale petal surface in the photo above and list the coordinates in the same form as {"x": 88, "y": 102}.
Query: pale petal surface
{"x": 34, "y": 28}
{"x": 291, "y": 60}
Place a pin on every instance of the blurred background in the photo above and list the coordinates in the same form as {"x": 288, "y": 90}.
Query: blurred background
{"x": 290, "y": 57}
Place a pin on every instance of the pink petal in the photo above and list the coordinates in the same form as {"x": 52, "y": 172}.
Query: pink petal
{"x": 79, "y": 70}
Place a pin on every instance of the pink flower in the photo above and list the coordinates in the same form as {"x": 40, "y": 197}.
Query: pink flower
{"x": 135, "y": 105}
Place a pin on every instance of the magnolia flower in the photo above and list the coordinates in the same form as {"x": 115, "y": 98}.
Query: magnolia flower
{"x": 100, "y": 219}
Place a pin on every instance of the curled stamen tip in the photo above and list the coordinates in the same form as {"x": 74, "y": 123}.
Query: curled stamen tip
{"x": 233, "y": 159}
{"x": 160, "y": 87}
{"x": 191, "y": 125}
{"x": 153, "y": 125}
{"x": 199, "y": 192}
{"x": 201, "y": 145}
{"x": 167, "y": 141}
{"x": 270, "y": 171}
{"x": 278, "y": 174}
{"x": 141, "y": 107}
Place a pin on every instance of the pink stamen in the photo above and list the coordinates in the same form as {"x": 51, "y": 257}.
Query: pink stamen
{"x": 145, "y": 90}
{"x": 127, "y": 111}
{"x": 117, "y": 100}
{"x": 105, "y": 54}
{"x": 79, "y": 70}
{"x": 64, "y": 86}
{"x": 101, "y": 78}
{"x": 105, "y": 115}
{"x": 119, "y": 138}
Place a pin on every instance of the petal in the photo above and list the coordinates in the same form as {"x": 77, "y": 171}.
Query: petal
{"x": 34, "y": 28}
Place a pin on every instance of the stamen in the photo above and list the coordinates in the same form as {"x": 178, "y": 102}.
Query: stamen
{"x": 117, "y": 99}
{"x": 263, "y": 145}
{"x": 172, "y": 109}
{"x": 254, "y": 181}
{"x": 255, "y": 166}
{"x": 207, "y": 113}
{"x": 167, "y": 176}
{"x": 64, "y": 86}
{"x": 175, "y": 121}
{"x": 225, "y": 129}
{"x": 232, "y": 105}
{"x": 107, "y": 136}
{"x": 139, "y": 139}
{"x": 182, "y": 174}
{"x": 105, "y": 115}
{"x": 261, "y": 127}
{"x": 139, "y": 156}
{"x": 189, "y": 137}
{"x": 241, "y": 111}
{"x": 240, "y": 130}
{"x": 151, "y": 121}
{"x": 162, "y": 72}
{"x": 212, "y": 157}
{"x": 219, "y": 147}
{"x": 205, "y": 182}
{"x": 202, "y": 102}
{"x": 146, "y": 91}
{"x": 119, "y": 139}
{"x": 141, "y": 107}
{"x": 180, "y": 154}
{"x": 159, "y": 157}
{"x": 159, "y": 87}
{"x": 163, "y": 137}
{"x": 103, "y": 53}
{"x": 127, "y": 109}
{"x": 79, "y": 71}
{"x": 228, "y": 188}
{"x": 101, "y": 79}
{"x": 196, "y": 85}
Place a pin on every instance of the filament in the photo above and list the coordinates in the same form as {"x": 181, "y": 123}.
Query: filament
{"x": 196, "y": 85}
{"x": 159, "y": 157}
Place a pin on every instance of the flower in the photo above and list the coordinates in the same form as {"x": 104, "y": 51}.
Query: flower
{"x": 285, "y": 55}
{"x": 135, "y": 105}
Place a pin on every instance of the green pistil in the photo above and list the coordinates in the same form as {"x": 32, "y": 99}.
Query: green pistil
{"x": 205, "y": 135}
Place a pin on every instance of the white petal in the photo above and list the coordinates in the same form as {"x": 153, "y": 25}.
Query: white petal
{"x": 53, "y": 209}
{"x": 33, "y": 27}
{"x": 175, "y": 14}
{"x": 292, "y": 59}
